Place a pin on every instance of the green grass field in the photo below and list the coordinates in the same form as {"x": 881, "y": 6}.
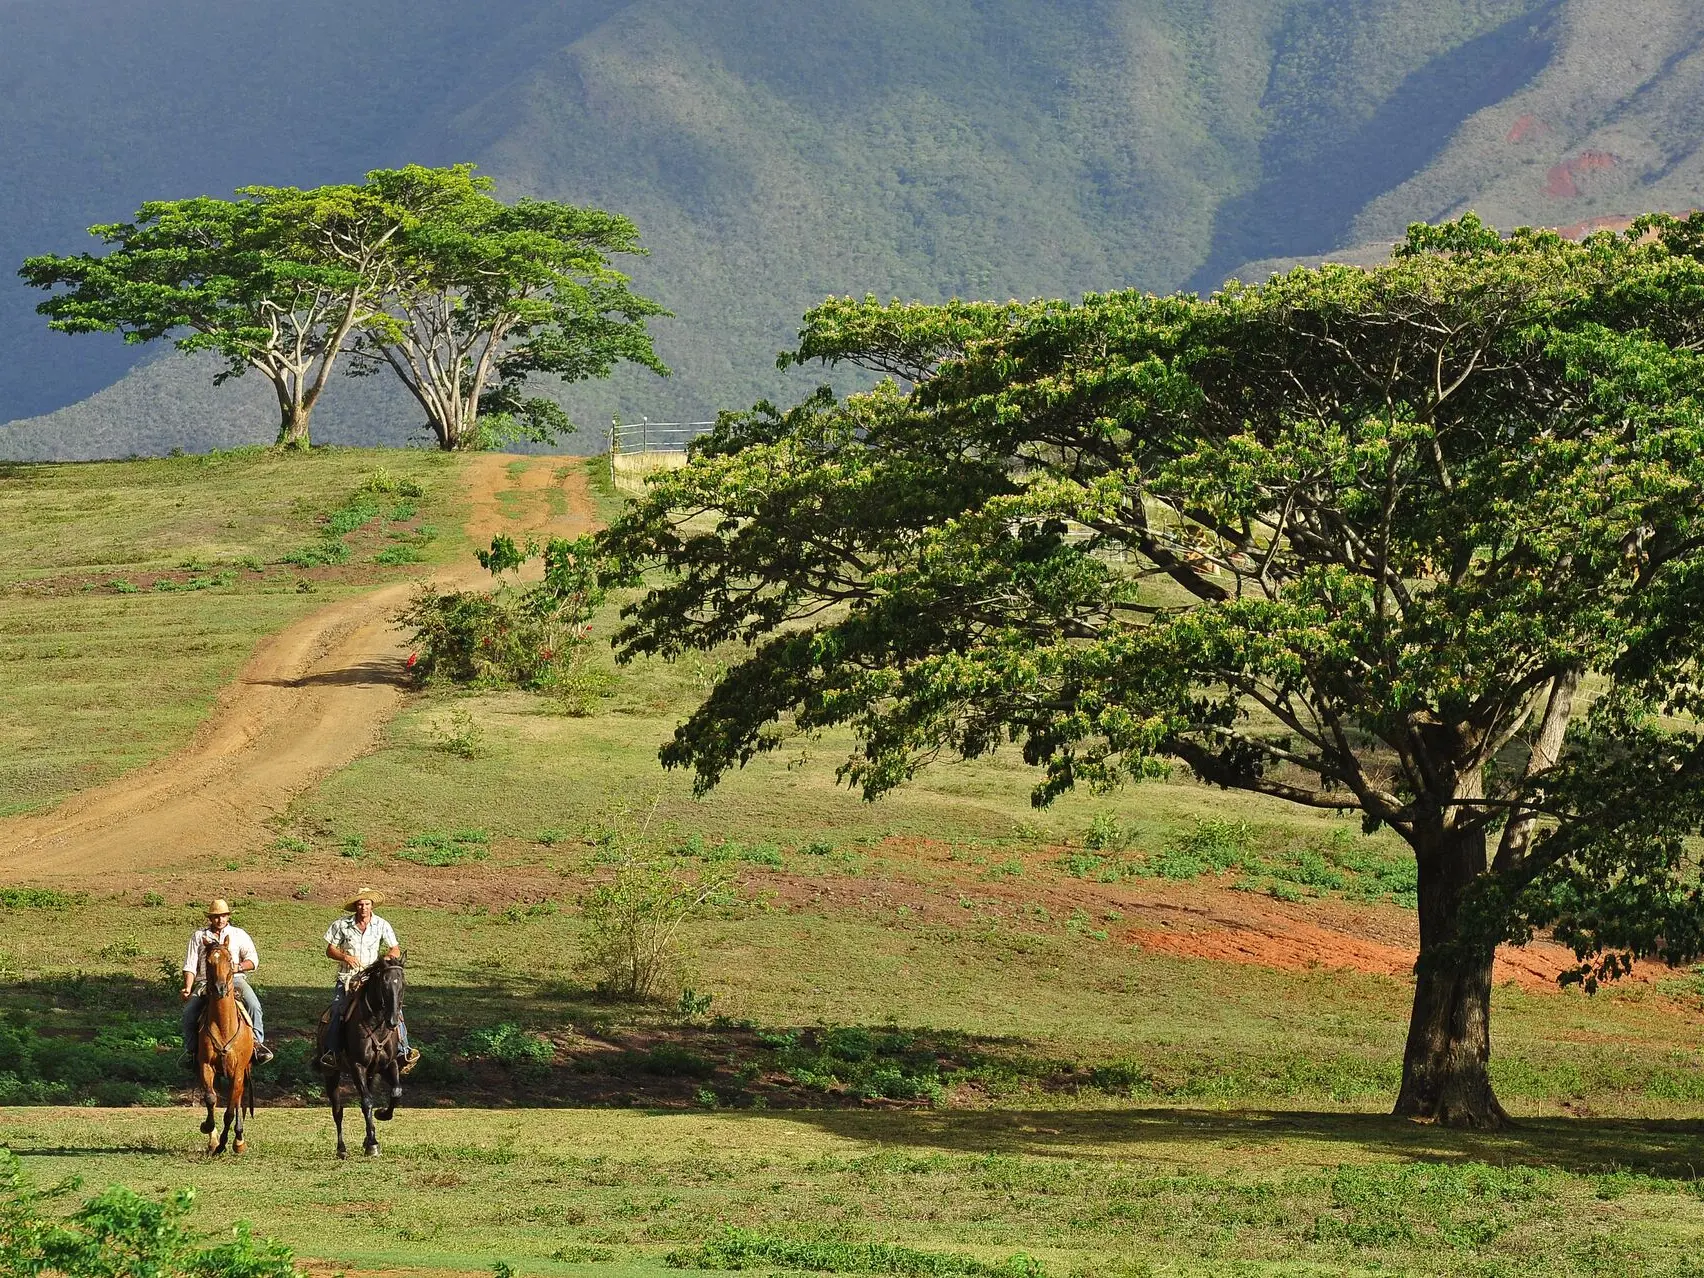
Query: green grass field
{"x": 1097, "y": 1192}
{"x": 166, "y": 573}
{"x": 935, "y": 1039}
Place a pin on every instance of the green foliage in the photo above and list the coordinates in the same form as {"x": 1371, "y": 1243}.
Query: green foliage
{"x": 29, "y": 898}
{"x": 885, "y": 1064}
{"x": 747, "y": 1249}
{"x": 129, "y": 1062}
{"x": 273, "y": 282}
{"x": 528, "y": 1055}
{"x": 120, "y": 1234}
{"x": 1353, "y": 539}
{"x": 529, "y": 290}
{"x": 382, "y": 481}
{"x": 535, "y": 638}
{"x": 438, "y": 849}
{"x": 630, "y": 939}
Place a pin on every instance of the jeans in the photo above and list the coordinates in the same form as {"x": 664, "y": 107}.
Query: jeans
{"x": 192, "y": 1013}
{"x": 340, "y": 1003}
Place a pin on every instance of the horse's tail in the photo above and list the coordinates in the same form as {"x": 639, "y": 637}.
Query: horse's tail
{"x": 248, "y": 1090}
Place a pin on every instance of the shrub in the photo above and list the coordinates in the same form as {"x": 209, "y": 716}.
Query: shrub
{"x": 630, "y": 942}
{"x": 458, "y": 734}
{"x": 119, "y": 1232}
{"x": 523, "y": 1053}
{"x": 382, "y": 481}
{"x": 318, "y": 555}
{"x": 437, "y": 849}
{"x": 1106, "y": 833}
{"x": 534, "y": 638}
{"x": 402, "y": 553}
{"x": 28, "y": 898}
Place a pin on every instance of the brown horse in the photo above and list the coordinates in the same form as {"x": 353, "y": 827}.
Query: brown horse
{"x": 369, "y": 1049}
{"x": 224, "y": 1049}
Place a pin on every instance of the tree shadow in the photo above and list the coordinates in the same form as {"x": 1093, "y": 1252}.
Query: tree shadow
{"x": 1656, "y": 1147}
{"x": 390, "y": 673}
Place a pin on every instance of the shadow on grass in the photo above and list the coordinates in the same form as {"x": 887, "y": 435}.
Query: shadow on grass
{"x": 1254, "y": 1138}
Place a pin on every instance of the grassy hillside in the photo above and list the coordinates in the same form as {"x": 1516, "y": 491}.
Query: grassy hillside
{"x": 131, "y": 592}
{"x": 1146, "y": 1033}
{"x": 776, "y": 153}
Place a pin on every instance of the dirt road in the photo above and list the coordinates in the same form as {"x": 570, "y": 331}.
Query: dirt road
{"x": 310, "y": 699}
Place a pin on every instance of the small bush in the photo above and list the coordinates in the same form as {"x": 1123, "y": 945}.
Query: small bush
{"x": 631, "y": 947}
{"x": 119, "y": 1232}
{"x": 354, "y": 514}
{"x": 399, "y": 554}
{"x": 523, "y": 1053}
{"x": 1106, "y": 833}
{"x": 320, "y": 554}
{"x": 382, "y": 481}
{"x": 459, "y": 735}
{"x": 437, "y": 849}
{"x": 534, "y": 638}
{"x": 28, "y": 898}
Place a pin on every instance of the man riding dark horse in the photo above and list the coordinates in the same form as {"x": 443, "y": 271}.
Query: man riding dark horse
{"x": 355, "y": 943}
{"x": 244, "y": 958}
{"x": 365, "y": 1036}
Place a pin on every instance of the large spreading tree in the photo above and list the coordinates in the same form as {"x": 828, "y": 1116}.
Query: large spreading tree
{"x": 275, "y": 281}
{"x": 1423, "y": 543}
{"x": 484, "y": 296}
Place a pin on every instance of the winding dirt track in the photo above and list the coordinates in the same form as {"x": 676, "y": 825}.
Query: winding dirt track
{"x": 311, "y": 699}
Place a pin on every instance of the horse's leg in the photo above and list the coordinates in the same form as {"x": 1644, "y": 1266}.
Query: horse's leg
{"x": 364, "y": 1084}
{"x": 239, "y": 1090}
{"x": 209, "y": 1096}
{"x": 334, "y": 1089}
{"x": 392, "y": 1079}
{"x": 225, "y": 1131}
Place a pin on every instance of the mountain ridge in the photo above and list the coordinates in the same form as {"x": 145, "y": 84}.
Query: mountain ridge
{"x": 772, "y": 154}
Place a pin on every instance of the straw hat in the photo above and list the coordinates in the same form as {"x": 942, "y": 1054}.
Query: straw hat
{"x": 363, "y": 894}
{"x": 220, "y": 906}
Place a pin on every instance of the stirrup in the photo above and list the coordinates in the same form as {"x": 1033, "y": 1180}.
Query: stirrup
{"x": 410, "y": 1059}
{"x": 262, "y": 1053}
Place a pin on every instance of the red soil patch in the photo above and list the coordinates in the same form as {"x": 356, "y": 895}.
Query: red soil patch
{"x": 1559, "y": 181}
{"x": 1296, "y": 945}
{"x": 1528, "y": 126}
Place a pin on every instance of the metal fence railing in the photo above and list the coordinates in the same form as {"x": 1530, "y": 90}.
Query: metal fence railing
{"x": 647, "y": 436}
{"x": 636, "y": 449}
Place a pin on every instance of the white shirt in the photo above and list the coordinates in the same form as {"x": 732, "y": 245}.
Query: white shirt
{"x": 237, "y": 945}
{"x": 365, "y": 946}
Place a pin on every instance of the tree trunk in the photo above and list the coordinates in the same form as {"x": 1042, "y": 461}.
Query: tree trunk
{"x": 293, "y": 426}
{"x": 1445, "y": 1074}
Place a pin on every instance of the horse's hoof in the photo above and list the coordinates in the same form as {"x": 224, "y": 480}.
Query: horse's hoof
{"x": 372, "y": 1151}
{"x": 342, "y": 1153}
{"x": 207, "y": 1128}
{"x": 239, "y": 1147}
{"x": 383, "y": 1115}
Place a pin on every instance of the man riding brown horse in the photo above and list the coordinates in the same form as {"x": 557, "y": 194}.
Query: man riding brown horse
{"x": 244, "y": 958}
{"x": 224, "y": 1048}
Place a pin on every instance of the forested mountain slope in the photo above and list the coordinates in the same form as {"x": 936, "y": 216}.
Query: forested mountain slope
{"x": 775, "y": 152}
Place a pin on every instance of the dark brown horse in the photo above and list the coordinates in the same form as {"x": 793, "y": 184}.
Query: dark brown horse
{"x": 368, "y": 1049}
{"x": 224, "y": 1049}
